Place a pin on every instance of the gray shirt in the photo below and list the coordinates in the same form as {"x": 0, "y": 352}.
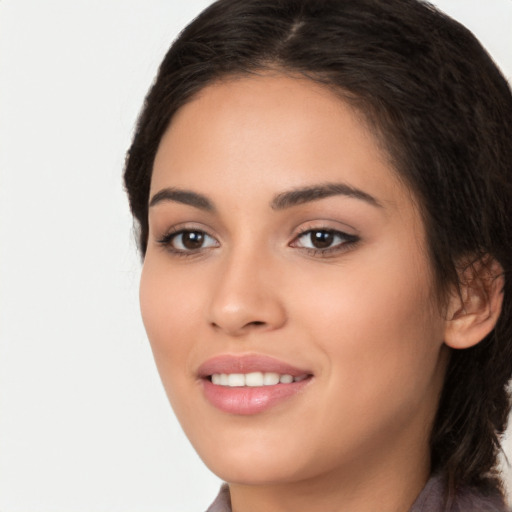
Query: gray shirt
{"x": 431, "y": 499}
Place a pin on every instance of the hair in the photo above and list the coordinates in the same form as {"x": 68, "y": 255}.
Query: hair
{"x": 443, "y": 112}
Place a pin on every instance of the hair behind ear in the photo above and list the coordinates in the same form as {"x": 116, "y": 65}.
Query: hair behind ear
{"x": 475, "y": 401}
{"x": 474, "y": 307}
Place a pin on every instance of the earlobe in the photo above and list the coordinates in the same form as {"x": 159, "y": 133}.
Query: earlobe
{"x": 474, "y": 309}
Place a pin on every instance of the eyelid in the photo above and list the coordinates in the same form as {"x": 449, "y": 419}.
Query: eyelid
{"x": 206, "y": 236}
{"x": 320, "y": 224}
{"x": 348, "y": 240}
{"x": 169, "y": 236}
{"x": 168, "y": 229}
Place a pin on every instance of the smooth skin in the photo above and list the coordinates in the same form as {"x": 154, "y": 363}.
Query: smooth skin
{"x": 339, "y": 284}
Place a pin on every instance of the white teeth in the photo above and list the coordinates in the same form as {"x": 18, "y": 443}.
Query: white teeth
{"x": 236, "y": 380}
{"x": 253, "y": 379}
{"x": 270, "y": 379}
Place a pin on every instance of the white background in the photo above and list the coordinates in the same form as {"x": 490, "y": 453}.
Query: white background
{"x": 84, "y": 423}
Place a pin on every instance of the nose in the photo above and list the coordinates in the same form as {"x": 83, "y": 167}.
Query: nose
{"x": 246, "y": 297}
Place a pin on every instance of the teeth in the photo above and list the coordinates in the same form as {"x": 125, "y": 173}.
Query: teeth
{"x": 253, "y": 379}
{"x": 236, "y": 380}
{"x": 270, "y": 379}
{"x": 286, "y": 379}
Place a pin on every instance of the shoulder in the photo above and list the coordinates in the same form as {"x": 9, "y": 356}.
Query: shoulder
{"x": 222, "y": 502}
{"x": 435, "y": 498}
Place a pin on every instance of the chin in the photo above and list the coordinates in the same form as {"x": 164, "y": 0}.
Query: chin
{"x": 256, "y": 461}
{"x": 244, "y": 470}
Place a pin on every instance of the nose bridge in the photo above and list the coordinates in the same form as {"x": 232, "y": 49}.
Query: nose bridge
{"x": 245, "y": 296}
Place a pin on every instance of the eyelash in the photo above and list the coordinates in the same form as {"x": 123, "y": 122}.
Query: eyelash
{"x": 346, "y": 243}
{"x": 167, "y": 240}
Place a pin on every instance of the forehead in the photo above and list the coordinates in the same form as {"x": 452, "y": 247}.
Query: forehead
{"x": 275, "y": 131}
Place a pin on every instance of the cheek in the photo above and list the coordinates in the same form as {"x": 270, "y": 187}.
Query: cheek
{"x": 377, "y": 328}
{"x": 168, "y": 311}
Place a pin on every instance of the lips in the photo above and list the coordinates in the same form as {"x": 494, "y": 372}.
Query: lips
{"x": 248, "y": 364}
{"x": 250, "y": 384}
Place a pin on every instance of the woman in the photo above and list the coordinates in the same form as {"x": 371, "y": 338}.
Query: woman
{"x": 323, "y": 190}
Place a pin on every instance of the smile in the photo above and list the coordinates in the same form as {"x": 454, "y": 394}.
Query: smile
{"x": 250, "y": 384}
{"x": 254, "y": 379}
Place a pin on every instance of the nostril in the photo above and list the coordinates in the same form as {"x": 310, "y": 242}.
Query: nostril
{"x": 256, "y": 324}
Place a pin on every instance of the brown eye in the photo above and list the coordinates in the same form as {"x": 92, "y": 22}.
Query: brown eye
{"x": 321, "y": 239}
{"x": 324, "y": 240}
{"x": 189, "y": 241}
{"x": 192, "y": 239}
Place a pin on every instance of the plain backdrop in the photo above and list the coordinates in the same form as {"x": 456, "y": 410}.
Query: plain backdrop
{"x": 84, "y": 422}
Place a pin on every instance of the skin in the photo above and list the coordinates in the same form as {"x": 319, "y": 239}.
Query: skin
{"x": 362, "y": 318}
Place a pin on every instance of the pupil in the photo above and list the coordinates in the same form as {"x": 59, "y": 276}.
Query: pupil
{"x": 193, "y": 239}
{"x": 322, "y": 239}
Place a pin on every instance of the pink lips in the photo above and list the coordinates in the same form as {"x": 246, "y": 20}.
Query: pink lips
{"x": 249, "y": 400}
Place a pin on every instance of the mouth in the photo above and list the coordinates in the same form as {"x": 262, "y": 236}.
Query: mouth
{"x": 250, "y": 384}
{"x": 254, "y": 379}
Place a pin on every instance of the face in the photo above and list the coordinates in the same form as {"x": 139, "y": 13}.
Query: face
{"x": 286, "y": 290}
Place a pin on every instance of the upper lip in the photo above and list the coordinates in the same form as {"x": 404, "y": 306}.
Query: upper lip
{"x": 230, "y": 363}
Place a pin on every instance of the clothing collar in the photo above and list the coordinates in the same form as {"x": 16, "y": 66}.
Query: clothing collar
{"x": 431, "y": 499}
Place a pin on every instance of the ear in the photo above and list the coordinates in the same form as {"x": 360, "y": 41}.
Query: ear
{"x": 475, "y": 307}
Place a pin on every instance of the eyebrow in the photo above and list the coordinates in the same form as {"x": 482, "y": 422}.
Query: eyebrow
{"x": 317, "y": 192}
{"x": 280, "y": 202}
{"x": 182, "y": 196}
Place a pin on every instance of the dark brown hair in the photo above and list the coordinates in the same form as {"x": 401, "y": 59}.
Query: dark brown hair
{"x": 444, "y": 113}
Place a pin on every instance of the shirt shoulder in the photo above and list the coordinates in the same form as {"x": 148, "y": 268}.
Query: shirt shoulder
{"x": 433, "y": 498}
{"x": 222, "y": 502}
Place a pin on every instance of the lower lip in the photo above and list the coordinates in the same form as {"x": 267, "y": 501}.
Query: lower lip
{"x": 250, "y": 400}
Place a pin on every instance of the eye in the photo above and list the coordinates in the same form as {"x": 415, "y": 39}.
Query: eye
{"x": 188, "y": 241}
{"x": 324, "y": 240}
